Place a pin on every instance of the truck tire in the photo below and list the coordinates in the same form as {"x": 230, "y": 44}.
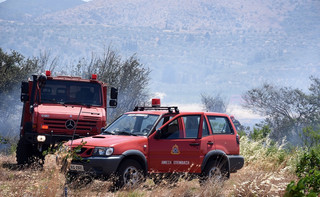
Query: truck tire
{"x": 129, "y": 175}
{"x": 24, "y": 152}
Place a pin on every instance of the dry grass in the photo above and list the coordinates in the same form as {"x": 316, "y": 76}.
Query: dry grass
{"x": 265, "y": 174}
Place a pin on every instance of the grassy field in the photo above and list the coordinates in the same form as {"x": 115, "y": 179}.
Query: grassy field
{"x": 268, "y": 170}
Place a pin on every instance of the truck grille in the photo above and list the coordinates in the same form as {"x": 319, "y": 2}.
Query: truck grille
{"x": 57, "y": 125}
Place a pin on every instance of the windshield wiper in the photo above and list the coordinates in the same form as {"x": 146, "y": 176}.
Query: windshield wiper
{"x": 51, "y": 101}
{"x": 108, "y": 132}
{"x": 73, "y": 103}
{"x": 125, "y": 133}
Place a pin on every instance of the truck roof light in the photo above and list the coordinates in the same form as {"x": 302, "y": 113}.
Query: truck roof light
{"x": 48, "y": 73}
{"x": 155, "y": 102}
{"x": 94, "y": 76}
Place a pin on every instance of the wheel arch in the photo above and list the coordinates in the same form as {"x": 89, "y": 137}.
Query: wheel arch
{"x": 214, "y": 155}
{"x": 138, "y": 156}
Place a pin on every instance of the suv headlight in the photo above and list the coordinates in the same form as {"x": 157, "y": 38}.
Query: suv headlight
{"x": 102, "y": 151}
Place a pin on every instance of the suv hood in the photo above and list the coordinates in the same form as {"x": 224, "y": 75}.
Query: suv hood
{"x": 108, "y": 140}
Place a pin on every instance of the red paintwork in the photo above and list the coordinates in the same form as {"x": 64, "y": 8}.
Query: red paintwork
{"x": 61, "y": 113}
{"x": 169, "y": 155}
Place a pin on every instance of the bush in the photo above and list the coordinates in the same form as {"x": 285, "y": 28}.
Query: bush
{"x": 308, "y": 170}
{"x": 267, "y": 155}
{"x": 259, "y": 134}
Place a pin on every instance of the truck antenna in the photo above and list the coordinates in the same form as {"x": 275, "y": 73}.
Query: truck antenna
{"x": 75, "y": 127}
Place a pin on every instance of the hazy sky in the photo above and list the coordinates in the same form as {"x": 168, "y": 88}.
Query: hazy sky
{"x": 192, "y": 47}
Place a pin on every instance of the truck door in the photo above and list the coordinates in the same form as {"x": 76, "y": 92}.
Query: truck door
{"x": 177, "y": 147}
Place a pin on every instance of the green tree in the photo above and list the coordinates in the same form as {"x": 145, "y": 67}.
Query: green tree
{"x": 14, "y": 68}
{"x": 259, "y": 134}
{"x": 213, "y": 103}
{"x": 129, "y": 76}
{"x": 287, "y": 110}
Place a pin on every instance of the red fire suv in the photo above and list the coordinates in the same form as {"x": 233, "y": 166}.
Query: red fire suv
{"x": 159, "y": 141}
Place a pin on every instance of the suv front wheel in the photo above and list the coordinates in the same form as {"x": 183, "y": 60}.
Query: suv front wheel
{"x": 129, "y": 175}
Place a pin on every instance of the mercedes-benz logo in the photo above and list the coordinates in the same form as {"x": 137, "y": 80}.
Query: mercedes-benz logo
{"x": 70, "y": 124}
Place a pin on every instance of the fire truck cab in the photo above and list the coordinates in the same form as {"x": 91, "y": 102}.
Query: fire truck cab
{"x": 57, "y": 109}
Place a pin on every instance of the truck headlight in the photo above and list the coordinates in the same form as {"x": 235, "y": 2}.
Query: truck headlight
{"x": 103, "y": 151}
{"x": 41, "y": 138}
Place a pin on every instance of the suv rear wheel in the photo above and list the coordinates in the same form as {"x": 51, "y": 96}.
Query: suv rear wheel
{"x": 129, "y": 175}
{"x": 214, "y": 171}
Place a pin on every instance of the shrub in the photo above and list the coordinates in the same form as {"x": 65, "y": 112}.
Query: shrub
{"x": 259, "y": 134}
{"x": 308, "y": 170}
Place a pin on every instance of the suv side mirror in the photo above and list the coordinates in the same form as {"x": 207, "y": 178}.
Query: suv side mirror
{"x": 158, "y": 134}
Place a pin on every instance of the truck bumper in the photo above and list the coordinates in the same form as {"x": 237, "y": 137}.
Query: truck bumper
{"x": 96, "y": 166}
{"x": 49, "y": 138}
{"x": 236, "y": 162}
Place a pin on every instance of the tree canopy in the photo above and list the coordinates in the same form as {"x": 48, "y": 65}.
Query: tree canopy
{"x": 287, "y": 110}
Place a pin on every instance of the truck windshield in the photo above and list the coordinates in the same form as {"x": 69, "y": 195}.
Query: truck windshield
{"x": 132, "y": 124}
{"x": 71, "y": 92}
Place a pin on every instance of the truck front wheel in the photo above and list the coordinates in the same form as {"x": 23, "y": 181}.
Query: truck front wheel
{"x": 27, "y": 154}
{"x": 129, "y": 175}
{"x": 24, "y": 152}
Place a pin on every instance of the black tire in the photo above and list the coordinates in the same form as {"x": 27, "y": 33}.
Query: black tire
{"x": 129, "y": 175}
{"x": 27, "y": 154}
{"x": 24, "y": 152}
{"x": 215, "y": 170}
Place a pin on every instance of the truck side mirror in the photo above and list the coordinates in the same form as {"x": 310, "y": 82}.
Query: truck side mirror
{"x": 24, "y": 91}
{"x": 114, "y": 93}
{"x": 42, "y": 80}
{"x": 113, "y": 103}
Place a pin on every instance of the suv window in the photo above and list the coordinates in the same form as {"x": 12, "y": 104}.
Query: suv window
{"x": 171, "y": 131}
{"x": 191, "y": 125}
{"x": 135, "y": 124}
{"x": 205, "y": 130}
{"x": 219, "y": 125}
{"x": 163, "y": 120}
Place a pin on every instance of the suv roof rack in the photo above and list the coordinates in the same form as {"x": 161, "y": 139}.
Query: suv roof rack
{"x": 170, "y": 109}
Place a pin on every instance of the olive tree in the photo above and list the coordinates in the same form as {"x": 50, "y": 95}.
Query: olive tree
{"x": 287, "y": 110}
{"x": 129, "y": 76}
{"x": 14, "y": 68}
{"x": 213, "y": 103}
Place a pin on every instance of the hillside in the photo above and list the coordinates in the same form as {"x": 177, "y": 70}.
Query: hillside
{"x": 193, "y": 47}
{"x": 22, "y": 10}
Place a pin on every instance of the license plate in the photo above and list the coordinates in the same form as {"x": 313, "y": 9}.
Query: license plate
{"x": 76, "y": 167}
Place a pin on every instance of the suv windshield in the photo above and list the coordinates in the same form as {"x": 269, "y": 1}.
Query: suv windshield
{"x": 132, "y": 124}
{"x": 71, "y": 92}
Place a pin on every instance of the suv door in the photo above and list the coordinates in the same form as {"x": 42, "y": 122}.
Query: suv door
{"x": 177, "y": 148}
{"x": 223, "y": 134}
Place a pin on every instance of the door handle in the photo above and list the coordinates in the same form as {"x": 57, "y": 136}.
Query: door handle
{"x": 194, "y": 144}
{"x": 210, "y": 143}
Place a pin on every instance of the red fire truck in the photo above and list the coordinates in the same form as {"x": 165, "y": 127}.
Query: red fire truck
{"x": 60, "y": 108}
